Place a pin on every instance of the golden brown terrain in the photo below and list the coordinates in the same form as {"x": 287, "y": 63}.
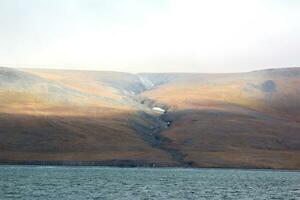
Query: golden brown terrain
{"x": 58, "y": 118}
{"x": 233, "y": 120}
{"x": 247, "y": 120}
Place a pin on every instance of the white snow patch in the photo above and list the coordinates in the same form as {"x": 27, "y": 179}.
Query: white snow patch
{"x": 158, "y": 109}
{"x": 128, "y": 92}
{"x": 146, "y": 82}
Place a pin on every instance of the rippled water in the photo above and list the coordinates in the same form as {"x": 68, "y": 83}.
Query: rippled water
{"x": 31, "y": 182}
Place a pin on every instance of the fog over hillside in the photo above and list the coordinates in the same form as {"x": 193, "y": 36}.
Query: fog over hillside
{"x": 134, "y": 36}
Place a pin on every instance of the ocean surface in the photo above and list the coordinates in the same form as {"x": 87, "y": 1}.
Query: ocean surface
{"x": 42, "y": 182}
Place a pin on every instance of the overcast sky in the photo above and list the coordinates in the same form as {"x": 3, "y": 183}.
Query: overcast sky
{"x": 150, "y": 35}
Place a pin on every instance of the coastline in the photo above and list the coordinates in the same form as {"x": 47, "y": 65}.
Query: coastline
{"x": 132, "y": 164}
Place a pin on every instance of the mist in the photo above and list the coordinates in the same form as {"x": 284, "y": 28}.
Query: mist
{"x": 150, "y": 36}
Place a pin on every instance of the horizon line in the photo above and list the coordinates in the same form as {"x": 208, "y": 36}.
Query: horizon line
{"x": 45, "y": 67}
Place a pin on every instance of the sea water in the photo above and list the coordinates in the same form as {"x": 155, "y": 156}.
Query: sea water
{"x": 42, "y": 182}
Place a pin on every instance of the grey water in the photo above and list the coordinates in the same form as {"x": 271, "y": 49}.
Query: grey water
{"x": 42, "y": 182}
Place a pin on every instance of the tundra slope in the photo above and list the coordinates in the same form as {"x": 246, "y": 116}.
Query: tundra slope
{"x": 248, "y": 120}
{"x": 73, "y": 118}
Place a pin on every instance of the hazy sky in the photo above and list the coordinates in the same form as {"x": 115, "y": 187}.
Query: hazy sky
{"x": 150, "y": 35}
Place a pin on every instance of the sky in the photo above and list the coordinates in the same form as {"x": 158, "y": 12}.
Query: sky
{"x": 150, "y": 35}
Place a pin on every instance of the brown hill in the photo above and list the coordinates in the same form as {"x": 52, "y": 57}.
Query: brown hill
{"x": 63, "y": 120}
{"x": 249, "y": 120}
{"x": 233, "y": 120}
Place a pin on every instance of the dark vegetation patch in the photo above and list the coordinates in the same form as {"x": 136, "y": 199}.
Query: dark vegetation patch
{"x": 268, "y": 86}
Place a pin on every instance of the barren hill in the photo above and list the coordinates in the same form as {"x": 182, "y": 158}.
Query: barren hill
{"x": 249, "y": 120}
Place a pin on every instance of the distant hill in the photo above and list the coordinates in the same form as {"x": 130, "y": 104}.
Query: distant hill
{"x": 246, "y": 120}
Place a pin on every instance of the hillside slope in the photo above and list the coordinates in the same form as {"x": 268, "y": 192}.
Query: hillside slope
{"x": 248, "y": 120}
{"x": 58, "y": 119}
{"x": 233, "y": 120}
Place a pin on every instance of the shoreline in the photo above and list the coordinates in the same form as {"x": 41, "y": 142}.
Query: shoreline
{"x": 133, "y": 164}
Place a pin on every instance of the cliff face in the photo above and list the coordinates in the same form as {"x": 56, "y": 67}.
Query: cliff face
{"x": 249, "y": 120}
